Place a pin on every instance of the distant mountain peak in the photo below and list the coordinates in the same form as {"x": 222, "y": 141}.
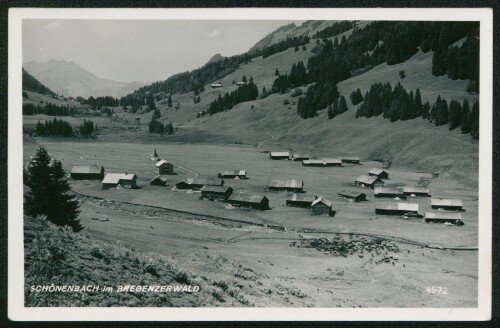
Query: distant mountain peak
{"x": 215, "y": 58}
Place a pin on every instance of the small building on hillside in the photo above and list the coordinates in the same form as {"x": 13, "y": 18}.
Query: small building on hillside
{"x": 244, "y": 199}
{"x": 353, "y": 196}
{"x": 119, "y": 180}
{"x": 234, "y": 174}
{"x": 447, "y": 204}
{"x": 300, "y": 157}
{"x": 216, "y": 85}
{"x": 292, "y": 185}
{"x": 87, "y": 172}
{"x": 388, "y": 192}
{"x": 198, "y": 183}
{"x": 300, "y": 200}
{"x": 353, "y": 160}
{"x": 219, "y": 193}
{"x": 395, "y": 208}
{"x": 279, "y": 155}
{"x": 322, "y": 162}
{"x": 368, "y": 181}
{"x": 443, "y": 217}
{"x": 322, "y": 206}
{"x": 165, "y": 167}
{"x": 240, "y": 83}
{"x": 159, "y": 181}
{"x": 382, "y": 174}
{"x": 417, "y": 191}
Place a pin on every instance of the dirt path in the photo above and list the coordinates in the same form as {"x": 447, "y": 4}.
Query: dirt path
{"x": 264, "y": 141}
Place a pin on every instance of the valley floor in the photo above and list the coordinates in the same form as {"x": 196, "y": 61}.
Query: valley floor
{"x": 203, "y": 237}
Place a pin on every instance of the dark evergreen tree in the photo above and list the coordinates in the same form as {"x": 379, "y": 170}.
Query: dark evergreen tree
{"x": 466, "y": 117}
{"x": 169, "y": 101}
{"x": 454, "y": 115}
{"x": 330, "y": 112}
{"x": 342, "y": 105}
{"x": 48, "y": 192}
{"x": 276, "y": 73}
{"x": 475, "y": 120}
{"x": 418, "y": 104}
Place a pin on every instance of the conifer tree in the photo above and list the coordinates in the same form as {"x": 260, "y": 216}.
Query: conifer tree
{"x": 466, "y": 117}
{"x": 342, "y": 105}
{"x": 277, "y": 73}
{"x": 330, "y": 112}
{"x": 48, "y": 192}
{"x": 169, "y": 101}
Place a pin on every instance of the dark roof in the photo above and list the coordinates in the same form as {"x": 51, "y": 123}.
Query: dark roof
{"x": 87, "y": 169}
{"x": 366, "y": 179}
{"x": 206, "y": 181}
{"x": 354, "y": 194}
{"x": 301, "y": 197}
{"x": 217, "y": 189}
{"x": 377, "y": 171}
{"x": 245, "y": 197}
{"x": 160, "y": 178}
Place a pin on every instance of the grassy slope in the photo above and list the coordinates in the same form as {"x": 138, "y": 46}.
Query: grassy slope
{"x": 60, "y": 257}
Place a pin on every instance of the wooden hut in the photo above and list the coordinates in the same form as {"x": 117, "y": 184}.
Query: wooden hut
{"x": 447, "y": 204}
{"x": 234, "y": 174}
{"x": 354, "y": 196}
{"x": 292, "y": 185}
{"x": 382, "y": 174}
{"x": 219, "y": 193}
{"x": 395, "y": 208}
{"x": 368, "y": 181}
{"x": 279, "y": 155}
{"x": 164, "y": 167}
{"x": 116, "y": 180}
{"x": 443, "y": 217}
{"x": 300, "y": 200}
{"x": 417, "y": 191}
{"x": 159, "y": 181}
{"x": 352, "y": 160}
{"x": 388, "y": 192}
{"x": 322, "y": 162}
{"x": 300, "y": 157}
{"x": 198, "y": 183}
{"x": 244, "y": 199}
{"x": 322, "y": 206}
{"x": 216, "y": 85}
{"x": 87, "y": 172}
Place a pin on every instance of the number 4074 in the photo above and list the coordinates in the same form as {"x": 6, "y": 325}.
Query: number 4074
{"x": 437, "y": 290}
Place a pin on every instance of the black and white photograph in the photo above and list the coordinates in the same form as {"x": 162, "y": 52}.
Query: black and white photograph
{"x": 224, "y": 164}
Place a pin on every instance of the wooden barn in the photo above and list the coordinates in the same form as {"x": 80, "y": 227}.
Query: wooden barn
{"x": 220, "y": 193}
{"x": 244, "y": 199}
{"x": 417, "y": 191}
{"x": 159, "y": 181}
{"x": 87, "y": 172}
{"x": 300, "y": 157}
{"x": 352, "y": 160}
{"x": 234, "y": 174}
{"x": 216, "y": 85}
{"x": 353, "y": 196}
{"x": 165, "y": 167}
{"x": 447, "y": 204}
{"x": 322, "y": 206}
{"x": 388, "y": 192}
{"x": 198, "y": 183}
{"x": 322, "y": 162}
{"x": 382, "y": 174}
{"x": 395, "y": 208}
{"x": 368, "y": 181}
{"x": 292, "y": 185}
{"x": 123, "y": 180}
{"x": 443, "y": 217}
{"x": 300, "y": 200}
{"x": 279, "y": 155}
{"x": 240, "y": 83}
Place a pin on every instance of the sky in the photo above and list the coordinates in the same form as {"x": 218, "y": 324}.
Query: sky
{"x": 139, "y": 50}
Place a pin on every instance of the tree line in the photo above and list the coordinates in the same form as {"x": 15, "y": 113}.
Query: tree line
{"x": 398, "y": 104}
{"x": 99, "y": 102}
{"x": 54, "y": 127}
{"x": 244, "y": 93}
{"x": 335, "y": 29}
{"x": 48, "y": 109}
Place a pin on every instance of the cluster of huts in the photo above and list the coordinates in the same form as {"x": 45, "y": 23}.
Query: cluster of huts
{"x": 375, "y": 180}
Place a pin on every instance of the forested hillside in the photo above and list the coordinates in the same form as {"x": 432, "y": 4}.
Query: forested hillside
{"x": 32, "y": 84}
